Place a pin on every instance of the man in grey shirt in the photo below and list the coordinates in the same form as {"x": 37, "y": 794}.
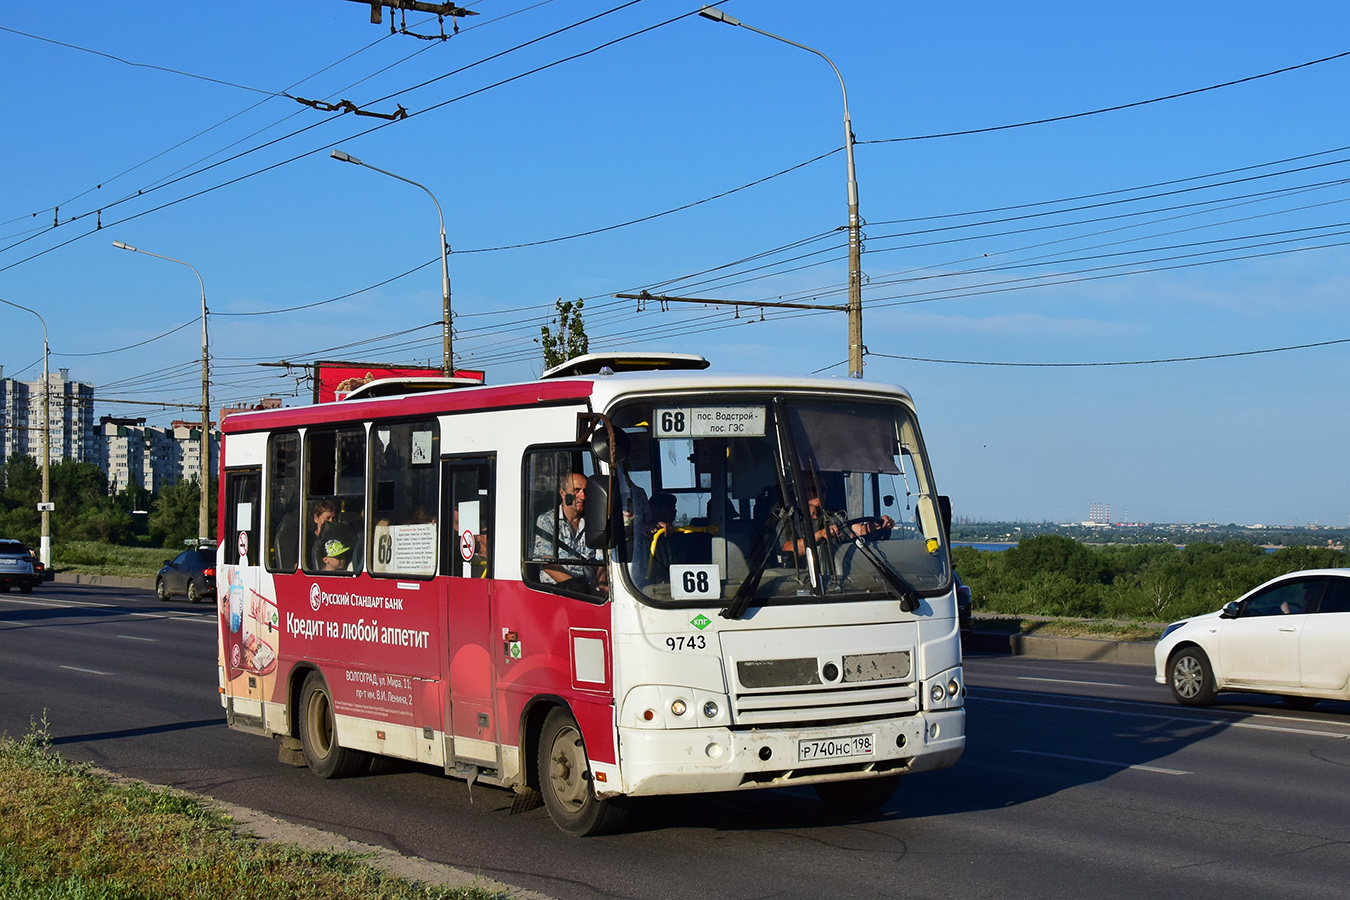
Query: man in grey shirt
{"x": 569, "y": 538}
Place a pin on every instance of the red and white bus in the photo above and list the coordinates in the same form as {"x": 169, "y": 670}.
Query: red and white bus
{"x": 628, "y": 578}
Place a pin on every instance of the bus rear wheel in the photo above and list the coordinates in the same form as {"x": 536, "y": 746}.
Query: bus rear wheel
{"x": 855, "y": 798}
{"x": 565, "y": 781}
{"x": 318, "y": 734}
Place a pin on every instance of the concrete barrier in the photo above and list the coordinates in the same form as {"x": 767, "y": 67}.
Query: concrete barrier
{"x": 1131, "y": 653}
{"x": 124, "y": 581}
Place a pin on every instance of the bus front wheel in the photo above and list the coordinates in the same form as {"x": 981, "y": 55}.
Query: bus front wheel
{"x": 565, "y": 781}
{"x": 318, "y": 733}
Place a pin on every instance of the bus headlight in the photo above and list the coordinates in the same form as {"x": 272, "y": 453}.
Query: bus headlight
{"x": 710, "y": 709}
{"x": 937, "y": 693}
{"x": 678, "y": 708}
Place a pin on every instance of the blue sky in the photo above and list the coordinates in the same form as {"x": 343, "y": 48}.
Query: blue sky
{"x": 1205, "y": 225}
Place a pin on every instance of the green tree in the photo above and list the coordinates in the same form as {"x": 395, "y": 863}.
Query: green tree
{"x": 19, "y": 518}
{"x": 567, "y": 339}
{"x": 173, "y": 518}
{"x": 1054, "y": 553}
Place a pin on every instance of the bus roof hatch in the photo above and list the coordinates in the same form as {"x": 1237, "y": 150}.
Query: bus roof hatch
{"x": 593, "y": 363}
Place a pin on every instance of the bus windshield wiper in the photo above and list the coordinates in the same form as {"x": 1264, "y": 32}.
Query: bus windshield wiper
{"x": 901, "y": 589}
{"x": 760, "y": 555}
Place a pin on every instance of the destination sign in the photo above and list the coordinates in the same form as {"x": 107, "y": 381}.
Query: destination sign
{"x": 709, "y": 421}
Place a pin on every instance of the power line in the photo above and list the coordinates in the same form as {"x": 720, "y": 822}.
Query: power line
{"x": 1107, "y": 109}
{"x": 288, "y": 161}
{"x": 1132, "y": 362}
{"x": 140, "y": 65}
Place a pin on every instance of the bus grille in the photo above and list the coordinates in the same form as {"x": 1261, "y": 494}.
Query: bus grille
{"x": 824, "y": 704}
{"x": 788, "y": 677}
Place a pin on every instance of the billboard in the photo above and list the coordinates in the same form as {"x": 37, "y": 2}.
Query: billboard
{"x": 334, "y": 380}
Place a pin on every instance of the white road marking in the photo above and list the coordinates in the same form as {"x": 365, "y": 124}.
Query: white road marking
{"x": 1070, "y": 681}
{"x": 60, "y": 604}
{"x": 1197, "y": 718}
{"x": 132, "y": 637}
{"x": 87, "y": 671}
{"x": 1106, "y": 762}
{"x": 171, "y": 617}
{"x": 76, "y": 604}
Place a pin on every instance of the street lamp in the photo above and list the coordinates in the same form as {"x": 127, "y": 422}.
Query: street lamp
{"x": 45, "y": 549}
{"x": 447, "y": 357}
{"x": 855, "y": 346}
{"x": 204, "y": 509}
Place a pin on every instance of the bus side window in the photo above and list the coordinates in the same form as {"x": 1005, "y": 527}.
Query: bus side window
{"x": 335, "y": 498}
{"x": 283, "y": 502}
{"x": 466, "y": 546}
{"x": 556, "y": 557}
{"x": 242, "y": 517}
{"x": 404, "y": 477}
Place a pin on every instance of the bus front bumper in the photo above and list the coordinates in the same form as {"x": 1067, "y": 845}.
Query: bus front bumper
{"x": 693, "y": 760}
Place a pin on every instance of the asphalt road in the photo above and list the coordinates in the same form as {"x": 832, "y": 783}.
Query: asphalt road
{"x": 1079, "y": 780}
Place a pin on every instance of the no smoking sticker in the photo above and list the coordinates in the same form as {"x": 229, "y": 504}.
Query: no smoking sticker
{"x": 466, "y": 545}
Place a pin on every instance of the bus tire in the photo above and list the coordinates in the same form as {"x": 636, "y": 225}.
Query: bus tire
{"x": 565, "y": 781}
{"x": 855, "y": 798}
{"x": 324, "y": 755}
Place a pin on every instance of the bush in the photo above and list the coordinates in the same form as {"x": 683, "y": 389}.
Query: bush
{"x": 1051, "y": 575}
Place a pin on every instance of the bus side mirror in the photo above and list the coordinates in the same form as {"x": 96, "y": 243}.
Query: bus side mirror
{"x": 945, "y": 509}
{"x": 600, "y": 445}
{"x": 596, "y": 514}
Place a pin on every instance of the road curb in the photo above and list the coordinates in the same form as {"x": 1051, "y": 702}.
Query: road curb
{"x": 413, "y": 868}
{"x": 270, "y": 828}
{"x": 1131, "y": 653}
{"x": 127, "y": 581}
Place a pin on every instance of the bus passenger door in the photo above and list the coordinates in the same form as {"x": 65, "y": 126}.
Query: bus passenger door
{"x": 466, "y": 554}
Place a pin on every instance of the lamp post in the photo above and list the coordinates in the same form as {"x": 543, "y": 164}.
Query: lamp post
{"x": 855, "y": 346}
{"x": 204, "y": 508}
{"x": 447, "y": 355}
{"x": 45, "y": 549}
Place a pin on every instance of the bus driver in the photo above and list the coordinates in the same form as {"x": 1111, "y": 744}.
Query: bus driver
{"x": 570, "y": 541}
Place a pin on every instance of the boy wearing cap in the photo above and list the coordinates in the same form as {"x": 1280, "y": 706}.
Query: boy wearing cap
{"x": 336, "y": 547}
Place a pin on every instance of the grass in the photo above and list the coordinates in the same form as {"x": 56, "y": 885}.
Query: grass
{"x": 94, "y": 558}
{"x": 68, "y": 833}
{"x": 1050, "y": 626}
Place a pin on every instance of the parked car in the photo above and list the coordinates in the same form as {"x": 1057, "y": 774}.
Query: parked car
{"x": 963, "y": 614}
{"x": 191, "y": 573}
{"x": 1286, "y": 637}
{"x": 16, "y": 567}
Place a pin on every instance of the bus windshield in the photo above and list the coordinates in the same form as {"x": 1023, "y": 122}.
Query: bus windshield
{"x": 752, "y": 499}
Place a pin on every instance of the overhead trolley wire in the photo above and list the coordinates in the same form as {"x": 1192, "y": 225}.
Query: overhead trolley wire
{"x": 1131, "y": 362}
{"x": 1108, "y": 109}
{"x": 288, "y": 161}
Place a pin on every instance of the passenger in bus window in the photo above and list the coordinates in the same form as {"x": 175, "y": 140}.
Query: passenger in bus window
{"x": 570, "y": 538}
{"x": 662, "y": 514}
{"x": 325, "y": 511}
{"x": 338, "y": 541}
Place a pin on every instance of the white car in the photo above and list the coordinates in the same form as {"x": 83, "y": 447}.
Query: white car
{"x": 1288, "y": 637}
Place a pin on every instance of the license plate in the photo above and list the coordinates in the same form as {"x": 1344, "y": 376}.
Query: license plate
{"x": 849, "y": 747}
